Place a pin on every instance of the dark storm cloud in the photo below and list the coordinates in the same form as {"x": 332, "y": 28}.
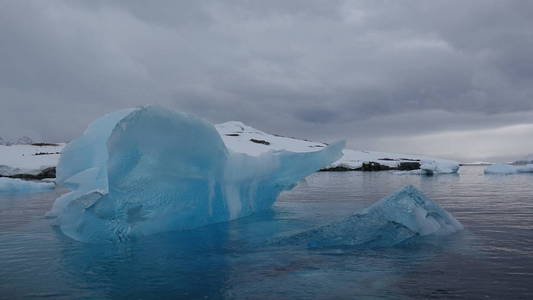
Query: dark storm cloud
{"x": 363, "y": 70}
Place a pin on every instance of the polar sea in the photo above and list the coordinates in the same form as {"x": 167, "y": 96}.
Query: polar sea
{"x": 492, "y": 258}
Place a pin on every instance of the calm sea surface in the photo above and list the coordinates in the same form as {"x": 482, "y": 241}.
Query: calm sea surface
{"x": 491, "y": 259}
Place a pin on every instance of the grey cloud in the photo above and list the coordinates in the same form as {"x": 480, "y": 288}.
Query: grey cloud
{"x": 363, "y": 70}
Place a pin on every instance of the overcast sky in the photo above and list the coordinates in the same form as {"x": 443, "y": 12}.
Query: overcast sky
{"x": 445, "y": 78}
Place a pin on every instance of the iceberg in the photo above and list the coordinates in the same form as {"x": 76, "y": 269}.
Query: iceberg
{"x": 148, "y": 170}
{"x": 432, "y": 167}
{"x": 394, "y": 219}
{"x": 506, "y": 169}
{"x": 500, "y": 169}
{"x": 13, "y": 185}
{"x": 525, "y": 169}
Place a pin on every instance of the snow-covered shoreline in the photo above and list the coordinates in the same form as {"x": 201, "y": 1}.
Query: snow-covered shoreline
{"x": 245, "y": 139}
{"x": 29, "y": 161}
{"x": 37, "y": 161}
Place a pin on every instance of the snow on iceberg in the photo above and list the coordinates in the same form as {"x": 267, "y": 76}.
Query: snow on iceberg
{"x": 148, "y": 170}
{"x": 506, "y": 169}
{"x": 13, "y": 185}
{"x": 388, "y": 222}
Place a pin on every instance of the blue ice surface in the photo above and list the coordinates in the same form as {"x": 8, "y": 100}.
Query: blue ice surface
{"x": 500, "y": 169}
{"x": 14, "y": 185}
{"x": 392, "y": 220}
{"x": 82, "y": 166}
{"x": 148, "y": 170}
{"x": 506, "y": 169}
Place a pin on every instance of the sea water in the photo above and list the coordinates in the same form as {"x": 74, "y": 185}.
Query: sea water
{"x": 491, "y": 258}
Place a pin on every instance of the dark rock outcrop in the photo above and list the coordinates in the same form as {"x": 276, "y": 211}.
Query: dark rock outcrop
{"x": 46, "y": 173}
{"x": 338, "y": 169}
{"x": 408, "y": 165}
{"x": 46, "y": 153}
{"x": 372, "y": 166}
{"x": 260, "y": 141}
{"x": 44, "y": 144}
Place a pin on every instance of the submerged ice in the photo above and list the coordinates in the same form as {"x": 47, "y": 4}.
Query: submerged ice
{"x": 142, "y": 171}
{"x": 394, "y": 219}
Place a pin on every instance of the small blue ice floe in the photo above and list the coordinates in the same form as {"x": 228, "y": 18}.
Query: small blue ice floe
{"x": 396, "y": 218}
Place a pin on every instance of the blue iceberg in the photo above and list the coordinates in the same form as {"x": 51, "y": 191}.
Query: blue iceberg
{"x": 147, "y": 170}
{"x": 13, "y": 185}
{"x": 506, "y": 169}
{"x": 392, "y": 220}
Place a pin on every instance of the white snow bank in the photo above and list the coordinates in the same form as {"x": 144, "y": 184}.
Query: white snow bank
{"x": 28, "y": 159}
{"x": 242, "y": 138}
{"x": 12, "y": 185}
{"x": 354, "y": 159}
